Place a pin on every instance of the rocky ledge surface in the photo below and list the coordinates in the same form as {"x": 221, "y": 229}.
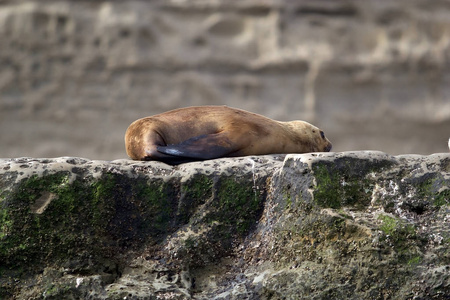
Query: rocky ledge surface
{"x": 351, "y": 225}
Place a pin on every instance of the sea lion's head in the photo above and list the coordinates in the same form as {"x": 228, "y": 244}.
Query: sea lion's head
{"x": 318, "y": 142}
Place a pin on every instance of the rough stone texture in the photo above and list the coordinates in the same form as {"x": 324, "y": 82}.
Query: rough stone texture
{"x": 74, "y": 74}
{"x": 352, "y": 225}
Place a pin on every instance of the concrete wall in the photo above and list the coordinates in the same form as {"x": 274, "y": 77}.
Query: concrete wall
{"x": 74, "y": 74}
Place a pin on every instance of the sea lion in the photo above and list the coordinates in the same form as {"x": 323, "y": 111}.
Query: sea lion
{"x": 208, "y": 132}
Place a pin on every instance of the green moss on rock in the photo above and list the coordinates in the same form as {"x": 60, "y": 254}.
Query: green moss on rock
{"x": 227, "y": 209}
{"x": 238, "y": 205}
{"x": 343, "y": 184}
{"x": 194, "y": 192}
{"x": 403, "y": 237}
{"x": 51, "y": 218}
{"x": 431, "y": 188}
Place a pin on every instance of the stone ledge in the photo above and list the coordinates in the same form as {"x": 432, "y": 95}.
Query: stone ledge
{"x": 323, "y": 225}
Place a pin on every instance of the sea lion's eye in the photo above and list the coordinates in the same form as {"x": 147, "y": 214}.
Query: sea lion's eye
{"x": 322, "y": 134}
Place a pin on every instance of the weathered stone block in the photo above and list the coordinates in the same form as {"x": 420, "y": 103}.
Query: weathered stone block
{"x": 353, "y": 225}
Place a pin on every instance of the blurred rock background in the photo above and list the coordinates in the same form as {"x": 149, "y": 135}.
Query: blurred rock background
{"x": 372, "y": 74}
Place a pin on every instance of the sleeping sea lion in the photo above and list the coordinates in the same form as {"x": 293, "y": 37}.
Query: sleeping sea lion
{"x": 208, "y": 132}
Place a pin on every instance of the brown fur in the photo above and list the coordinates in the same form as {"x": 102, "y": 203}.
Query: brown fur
{"x": 228, "y": 132}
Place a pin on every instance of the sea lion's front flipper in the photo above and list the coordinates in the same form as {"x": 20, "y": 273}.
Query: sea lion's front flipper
{"x": 207, "y": 146}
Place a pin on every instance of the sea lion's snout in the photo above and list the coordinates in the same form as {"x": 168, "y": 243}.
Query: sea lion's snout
{"x": 325, "y": 143}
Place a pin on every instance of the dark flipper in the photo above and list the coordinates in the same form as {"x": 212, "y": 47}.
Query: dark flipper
{"x": 171, "y": 160}
{"x": 207, "y": 146}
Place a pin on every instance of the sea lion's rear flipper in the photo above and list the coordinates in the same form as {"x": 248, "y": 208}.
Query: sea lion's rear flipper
{"x": 207, "y": 146}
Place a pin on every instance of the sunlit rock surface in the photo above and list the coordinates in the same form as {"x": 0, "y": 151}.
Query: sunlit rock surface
{"x": 351, "y": 225}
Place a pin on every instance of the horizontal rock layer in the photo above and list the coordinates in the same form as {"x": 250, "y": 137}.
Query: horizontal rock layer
{"x": 351, "y": 225}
